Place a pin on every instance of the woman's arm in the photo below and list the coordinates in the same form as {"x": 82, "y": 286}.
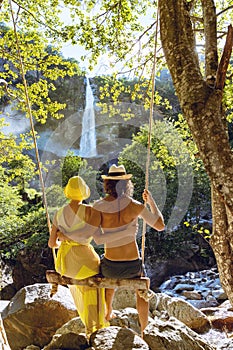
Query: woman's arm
{"x": 53, "y": 239}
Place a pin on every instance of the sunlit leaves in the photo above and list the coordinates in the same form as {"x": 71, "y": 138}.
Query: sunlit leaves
{"x": 41, "y": 64}
{"x": 15, "y": 164}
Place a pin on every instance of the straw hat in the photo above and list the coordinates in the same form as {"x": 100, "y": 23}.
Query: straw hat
{"x": 117, "y": 173}
{"x": 77, "y": 189}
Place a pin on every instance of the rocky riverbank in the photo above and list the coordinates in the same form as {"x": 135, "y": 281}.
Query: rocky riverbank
{"x": 34, "y": 321}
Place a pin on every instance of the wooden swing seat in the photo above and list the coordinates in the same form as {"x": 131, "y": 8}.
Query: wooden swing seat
{"x": 142, "y": 283}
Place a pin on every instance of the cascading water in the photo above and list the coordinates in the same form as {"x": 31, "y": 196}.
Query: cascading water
{"x": 88, "y": 136}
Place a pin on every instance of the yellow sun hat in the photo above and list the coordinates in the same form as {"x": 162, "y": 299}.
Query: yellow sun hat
{"x": 77, "y": 189}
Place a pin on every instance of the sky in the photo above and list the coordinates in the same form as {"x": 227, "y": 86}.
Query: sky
{"x": 75, "y": 51}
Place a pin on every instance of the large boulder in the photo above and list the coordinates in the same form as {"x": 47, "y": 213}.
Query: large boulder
{"x": 173, "y": 335}
{"x": 124, "y": 298}
{"x": 180, "y": 309}
{"x": 117, "y": 338}
{"x": 221, "y": 317}
{"x": 70, "y": 335}
{"x": 4, "y": 345}
{"x": 32, "y": 317}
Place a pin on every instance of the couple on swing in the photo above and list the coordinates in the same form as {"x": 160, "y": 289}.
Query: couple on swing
{"x": 111, "y": 221}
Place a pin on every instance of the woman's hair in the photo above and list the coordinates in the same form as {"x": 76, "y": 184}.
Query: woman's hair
{"x": 117, "y": 188}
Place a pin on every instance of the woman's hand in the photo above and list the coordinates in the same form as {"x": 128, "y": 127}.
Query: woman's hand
{"x": 53, "y": 241}
{"x": 61, "y": 236}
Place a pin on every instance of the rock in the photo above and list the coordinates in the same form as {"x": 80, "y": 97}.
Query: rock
{"x": 173, "y": 335}
{"x": 221, "y": 318}
{"x": 226, "y": 344}
{"x": 218, "y": 339}
{"x": 205, "y": 286}
{"x": 116, "y": 338}
{"x": 180, "y": 309}
{"x": 127, "y": 317}
{"x": 73, "y": 326}
{"x": 8, "y": 292}
{"x": 3, "y": 304}
{"x": 200, "y": 304}
{"x": 32, "y": 317}
{"x": 180, "y": 287}
{"x": 124, "y": 298}
{"x": 161, "y": 270}
{"x": 219, "y": 294}
{"x": 68, "y": 341}
{"x": 191, "y": 295}
{"x": 4, "y": 345}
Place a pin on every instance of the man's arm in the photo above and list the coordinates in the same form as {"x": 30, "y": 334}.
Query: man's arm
{"x": 158, "y": 224}
{"x": 124, "y": 233}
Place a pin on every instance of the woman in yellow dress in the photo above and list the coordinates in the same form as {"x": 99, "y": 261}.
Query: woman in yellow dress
{"x": 76, "y": 257}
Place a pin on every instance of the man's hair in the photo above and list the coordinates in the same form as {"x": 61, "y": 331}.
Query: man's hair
{"x": 118, "y": 188}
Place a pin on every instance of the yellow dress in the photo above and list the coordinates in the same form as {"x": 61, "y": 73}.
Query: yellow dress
{"x": 79, "y": 261}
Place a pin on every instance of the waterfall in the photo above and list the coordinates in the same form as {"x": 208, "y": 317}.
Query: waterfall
{"x": 88, "y": 136}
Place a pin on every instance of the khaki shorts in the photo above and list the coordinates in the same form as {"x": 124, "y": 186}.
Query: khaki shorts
{"x": 121, "y": 269}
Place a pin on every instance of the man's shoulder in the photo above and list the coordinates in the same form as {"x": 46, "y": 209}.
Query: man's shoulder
{"x": 136, "y": 203}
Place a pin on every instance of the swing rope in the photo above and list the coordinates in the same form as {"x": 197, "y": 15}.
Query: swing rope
{"x": 29, "y": 110}
{"x": 152, "y": 80}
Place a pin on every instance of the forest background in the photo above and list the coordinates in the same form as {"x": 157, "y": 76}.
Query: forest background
{"x": 193, "y": 35}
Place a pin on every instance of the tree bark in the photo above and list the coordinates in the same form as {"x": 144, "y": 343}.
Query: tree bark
{"x": 210, "y": 32}
{"x": 202, "y": 107}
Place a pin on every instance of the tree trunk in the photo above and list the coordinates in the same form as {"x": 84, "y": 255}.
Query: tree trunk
{"x": 222, "y": 242}
{"x": 201, "y": 104}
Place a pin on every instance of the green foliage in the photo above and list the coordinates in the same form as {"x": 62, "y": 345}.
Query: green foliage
{"x": 15, "y": 164}
{"x": 55, "y": 196}
{"x": 10, "y": 200}
{"x": 112, "y": 91}
{"x": 42, "y": 65}
{"x": 184, "y": 240}
{"x": 171, "y": 161}
{"x": 71, "y": 166}
{"x": 18, "y": 232}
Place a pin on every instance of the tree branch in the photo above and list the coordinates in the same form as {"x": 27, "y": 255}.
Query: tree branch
{"x": 226, "y": 9}
{"x": 210, "y": 32}
{"x": 224, "y": 62}
{"x": 179, "y": 46}
{"x": 36, "y": 19}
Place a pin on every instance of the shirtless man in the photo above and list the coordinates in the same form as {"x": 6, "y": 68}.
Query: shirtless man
{"x": 119, "y": 213}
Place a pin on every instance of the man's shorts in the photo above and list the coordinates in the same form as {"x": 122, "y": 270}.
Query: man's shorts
{"x": 122, "y": 269}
